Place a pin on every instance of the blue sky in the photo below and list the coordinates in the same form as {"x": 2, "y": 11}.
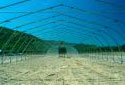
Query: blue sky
{"x": 103, "y": 21}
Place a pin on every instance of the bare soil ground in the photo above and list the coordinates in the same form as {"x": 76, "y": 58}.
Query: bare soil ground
{"x": 61, "y": 71}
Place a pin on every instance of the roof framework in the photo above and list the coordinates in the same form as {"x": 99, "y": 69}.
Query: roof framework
{"x": 55, "y": 21}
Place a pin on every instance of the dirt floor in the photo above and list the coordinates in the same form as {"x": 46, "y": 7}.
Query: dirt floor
{"x": 61, "y": 71}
